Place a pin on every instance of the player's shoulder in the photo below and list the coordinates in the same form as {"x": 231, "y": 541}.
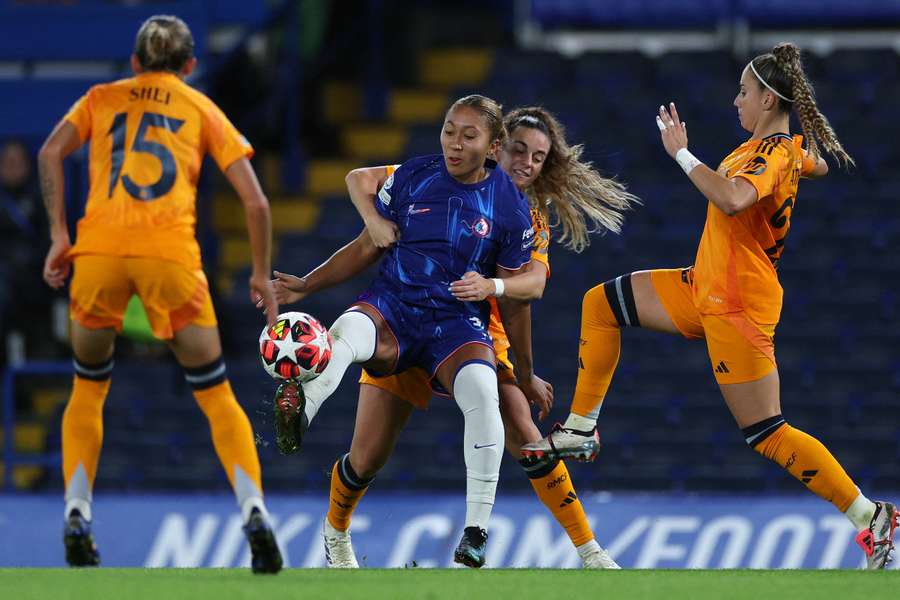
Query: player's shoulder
{"x": 420, "y": 165}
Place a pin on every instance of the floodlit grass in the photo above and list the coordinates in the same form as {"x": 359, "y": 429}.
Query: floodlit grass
{"x": 456, "y": 584}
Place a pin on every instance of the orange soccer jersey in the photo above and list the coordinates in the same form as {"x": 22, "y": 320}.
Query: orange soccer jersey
{"x": 148, "y": 135}
{"x": 738, "y": 255}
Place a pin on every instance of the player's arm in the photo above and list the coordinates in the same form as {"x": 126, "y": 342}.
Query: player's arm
{"x": 813, "y": 168}
{"x": 516, "y": 318}
{"x": 62, "y": 141}
{"x": 526, "y": 285}
{"x": 363, "y": 184}
{"x": 259, "y": 227}
{"x": 344, "y": 264}
{"x": 731, "y": 196}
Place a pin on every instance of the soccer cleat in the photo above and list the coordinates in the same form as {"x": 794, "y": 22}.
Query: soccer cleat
{"x": 599, "y": 559}
{"x": 565, "y": 443}
{"x": 472, "y": 548}
{"x": 81, "y": 551}
{"x": 290, "y": 419}
{"x": 266, "y": 557}
{"x": 338, "y": 548}
{"x": 877, "y": 540}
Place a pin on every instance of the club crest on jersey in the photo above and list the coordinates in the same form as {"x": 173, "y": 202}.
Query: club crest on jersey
{"x": 756, "y": 166}
{"x": 481, "y": 228}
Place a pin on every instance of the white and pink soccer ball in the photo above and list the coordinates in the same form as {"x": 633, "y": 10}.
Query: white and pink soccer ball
{"x": 296, "y": 347}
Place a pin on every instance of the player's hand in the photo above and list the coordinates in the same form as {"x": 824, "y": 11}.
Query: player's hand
{"x": 288, "y": 288}
{"x": 262, "y": 294}
{"x": 539, "y": 393}
{"x": 58, "y": 264}
{"x": 383, "y": 232}
{"x": 672, "y": 130}
{"x": 472, "y": 287}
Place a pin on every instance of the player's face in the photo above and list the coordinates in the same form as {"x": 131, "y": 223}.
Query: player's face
{"x": 523, "y": 155}
{"x": 750, "y": 100}
{"x": 465, "y": 140}
{"x": 747, "y": 100}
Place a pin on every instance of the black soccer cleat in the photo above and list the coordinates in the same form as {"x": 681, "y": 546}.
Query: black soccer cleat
{"x": 81, "y": 551}
{"x": 290, "y": 419}
{"x": 472, "y": 548}
{"x": 263, "y": 547}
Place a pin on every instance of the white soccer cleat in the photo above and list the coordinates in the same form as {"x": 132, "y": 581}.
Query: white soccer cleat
{"x": 338, "y": 548}
{"x": 877, "y": 540}
{"x": 599, "y": 559}
{"x": 565, "y": 443}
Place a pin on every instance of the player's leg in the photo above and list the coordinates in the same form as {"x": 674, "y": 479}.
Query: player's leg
{"x": 99, "y": 295}
{"x": 743, "y": 362}
{"x": 549, "y": 476}
{"x": 659, "y": 300}
{"x": 380, "y": 416}
{"x": 470, "y": 374}
{"x": 180, "y": 311}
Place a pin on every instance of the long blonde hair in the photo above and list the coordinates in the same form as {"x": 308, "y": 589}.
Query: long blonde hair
{"x": 569, "y": 192}
{"x": 783, "y": 70}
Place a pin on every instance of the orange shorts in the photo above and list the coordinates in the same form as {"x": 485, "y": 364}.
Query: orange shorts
{"x": 173, "y": 295}
{"x": 740, "y": 350}
{"x": 414, "y": 385}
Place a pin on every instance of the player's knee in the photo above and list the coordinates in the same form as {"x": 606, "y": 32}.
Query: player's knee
{"x": 475, "y": 387}
{"x": 610, "y": 304}
{"x": 357, "y": 330}
{"x": 758, "y": 434}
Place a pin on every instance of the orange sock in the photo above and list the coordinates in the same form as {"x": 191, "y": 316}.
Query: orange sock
{"x": 553, "y": 486}
{"x": 605, "y": 310}
{"x": 347, "y": 489}
{"x": 82, "y": 429}
{"x": 231, "y": 431}
{"x": 804, "y": 457}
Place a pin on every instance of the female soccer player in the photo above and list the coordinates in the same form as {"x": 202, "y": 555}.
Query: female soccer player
{"x": 148, "y": 135}
{"x": 453, "y": 214}
{"x": 731, "y": 297}
{"x": 542, "y": 164}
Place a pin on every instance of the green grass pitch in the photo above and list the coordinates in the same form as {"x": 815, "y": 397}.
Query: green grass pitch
{"x": 427, "y": 584}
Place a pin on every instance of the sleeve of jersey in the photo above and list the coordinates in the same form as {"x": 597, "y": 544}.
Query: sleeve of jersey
{"x": 763, "y": 172}
{"x": 388, "y": 196}
{"x": 519, "y": 240}
{"x": 223, "y": 141}
{"x": 80, "y": 116}
{"x": 540, "y": 251}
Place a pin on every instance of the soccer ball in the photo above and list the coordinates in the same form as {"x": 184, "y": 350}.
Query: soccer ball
{"x": 296, "y": 347}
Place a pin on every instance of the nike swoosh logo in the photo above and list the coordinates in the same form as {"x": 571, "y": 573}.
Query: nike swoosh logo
{"x": 479, "y": 447}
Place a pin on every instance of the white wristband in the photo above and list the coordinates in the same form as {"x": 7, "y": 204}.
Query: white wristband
{"x": 499, "y": 287}
{"x": 686, "y": 160}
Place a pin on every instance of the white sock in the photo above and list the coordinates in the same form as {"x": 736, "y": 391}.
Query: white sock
{"x": 587, "y": 548}
{"x": 579, "y": 423}
{"x": 860, "y": 512}
{"x": 249, "y": 504}
{"x": 354, "y": 337}
{"x": 83, "y": 506}
{"x": 475, "y": 391}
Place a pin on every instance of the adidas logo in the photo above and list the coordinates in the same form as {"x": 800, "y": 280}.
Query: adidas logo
{"x": 580, "y": 363}
{"x": 721, "y": 368}
{"x": 808, "y": 475}
{"x": 570, "y": 498}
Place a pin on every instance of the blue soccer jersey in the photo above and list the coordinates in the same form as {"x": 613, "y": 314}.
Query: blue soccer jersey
{"x": 448, "y": 228}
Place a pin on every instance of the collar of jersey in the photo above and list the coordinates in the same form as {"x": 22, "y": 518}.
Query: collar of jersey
{"x": 488, "y": 163}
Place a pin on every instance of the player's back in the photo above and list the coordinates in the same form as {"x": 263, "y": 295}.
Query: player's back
{"x": 148, "y": 135}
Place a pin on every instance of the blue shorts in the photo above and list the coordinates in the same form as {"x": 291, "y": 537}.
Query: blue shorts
{"x": 426, "y": 337}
